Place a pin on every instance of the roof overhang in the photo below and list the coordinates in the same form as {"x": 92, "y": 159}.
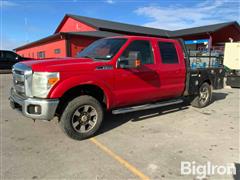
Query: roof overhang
{"x": 204, "y": 30}
{"x": 41, "y": 41}
{"x": 64, "y": 35}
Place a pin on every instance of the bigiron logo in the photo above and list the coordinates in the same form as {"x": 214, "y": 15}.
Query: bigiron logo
{"x": 208, "y": 169}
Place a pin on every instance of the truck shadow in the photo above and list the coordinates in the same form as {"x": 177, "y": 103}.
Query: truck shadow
{"x": 112, "y": 121}
{"x": 217, "y": 96}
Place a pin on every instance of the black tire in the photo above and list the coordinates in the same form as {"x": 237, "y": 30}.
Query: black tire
{"x": 201, "y": 101}
{"x": 76, "y": 106}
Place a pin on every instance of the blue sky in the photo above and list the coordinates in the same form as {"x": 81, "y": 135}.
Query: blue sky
{"x": 24, "y": 21}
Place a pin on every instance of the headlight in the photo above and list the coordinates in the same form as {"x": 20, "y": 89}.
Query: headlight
{"x": 42, "y": 83}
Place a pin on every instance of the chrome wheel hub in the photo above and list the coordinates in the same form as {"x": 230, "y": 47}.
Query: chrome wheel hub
{"x": 84, "y": 118}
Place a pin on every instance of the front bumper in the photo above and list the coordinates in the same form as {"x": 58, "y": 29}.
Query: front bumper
{"x": 43, "y": 109}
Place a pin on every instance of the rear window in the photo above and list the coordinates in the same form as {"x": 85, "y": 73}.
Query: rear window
{"x": 168, "y": 53}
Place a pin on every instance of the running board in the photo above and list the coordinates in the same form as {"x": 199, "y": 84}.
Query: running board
{"x": 146, "y": 106}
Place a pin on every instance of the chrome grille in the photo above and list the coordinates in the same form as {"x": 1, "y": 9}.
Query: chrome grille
{"x": 18, "y": 82}
{"x": 21, "y": 79}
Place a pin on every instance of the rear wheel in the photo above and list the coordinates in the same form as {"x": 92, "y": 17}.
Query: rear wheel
{"x": 204, "y": 96}
{"x": 82, "y": 117}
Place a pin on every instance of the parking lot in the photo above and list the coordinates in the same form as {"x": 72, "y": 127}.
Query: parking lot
{"x": 147, "y": 144}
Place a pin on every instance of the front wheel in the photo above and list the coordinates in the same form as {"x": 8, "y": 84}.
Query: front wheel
{"x": 204, "y": 96}
{"x": 82, "y": 117}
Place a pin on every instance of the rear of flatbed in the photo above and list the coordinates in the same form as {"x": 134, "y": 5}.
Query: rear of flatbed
{"x": 214, "y": 76}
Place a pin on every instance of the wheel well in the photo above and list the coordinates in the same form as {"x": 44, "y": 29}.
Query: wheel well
{"x": 91, "y": 90}
{"x": 207, "y": 81}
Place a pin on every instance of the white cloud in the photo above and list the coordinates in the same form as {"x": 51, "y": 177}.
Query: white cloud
{"x": 109, "y": 1}
{"x": 180, "y": 16}
{"x": 7, "y": 4}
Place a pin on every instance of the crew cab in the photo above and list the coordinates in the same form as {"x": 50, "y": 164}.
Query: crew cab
{"x": 118, "y": 74}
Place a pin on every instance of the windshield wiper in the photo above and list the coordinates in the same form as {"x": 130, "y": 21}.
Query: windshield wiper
{"x": 96, "y": 58}
{"x": 102, "y": 58}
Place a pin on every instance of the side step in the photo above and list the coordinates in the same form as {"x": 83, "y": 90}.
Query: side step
{"x": 146, "y": 106}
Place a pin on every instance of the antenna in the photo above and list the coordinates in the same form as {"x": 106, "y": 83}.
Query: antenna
{"x": 26, "y": 26}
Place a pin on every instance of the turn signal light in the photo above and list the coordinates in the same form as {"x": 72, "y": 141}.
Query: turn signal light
{"x": 53, "y": 80}
{"x": 137, "y": 63}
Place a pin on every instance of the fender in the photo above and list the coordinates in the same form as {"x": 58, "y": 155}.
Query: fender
{"x": 205, "y": 77}
{"x": 63, "y": 86}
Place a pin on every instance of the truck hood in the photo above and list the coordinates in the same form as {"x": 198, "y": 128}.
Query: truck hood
{"x": 60, "y": 65}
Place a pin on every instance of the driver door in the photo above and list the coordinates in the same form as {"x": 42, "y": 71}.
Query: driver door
{"x": 137, "y": 85}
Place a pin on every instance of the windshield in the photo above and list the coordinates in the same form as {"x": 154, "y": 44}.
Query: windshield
{"x": 103, "y": 49}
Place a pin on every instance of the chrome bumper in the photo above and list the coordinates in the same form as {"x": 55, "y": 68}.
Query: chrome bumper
{"x": 46, "y": 107}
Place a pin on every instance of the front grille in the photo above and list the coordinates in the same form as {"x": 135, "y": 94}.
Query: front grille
{"x": 18, "y": 82}
{"x": 18, "y": 72}
{"x": 21, "y": 73}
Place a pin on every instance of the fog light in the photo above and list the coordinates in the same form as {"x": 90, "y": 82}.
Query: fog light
{"x": 34, "y": 109}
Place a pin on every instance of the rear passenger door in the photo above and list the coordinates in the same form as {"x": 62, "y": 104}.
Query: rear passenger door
{"x": 171, "y": 69}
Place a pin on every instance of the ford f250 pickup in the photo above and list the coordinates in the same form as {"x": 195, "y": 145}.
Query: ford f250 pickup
{"x": 118, "y": 74}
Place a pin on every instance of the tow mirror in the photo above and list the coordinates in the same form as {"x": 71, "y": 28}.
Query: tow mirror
{"x": 132, "y": 61}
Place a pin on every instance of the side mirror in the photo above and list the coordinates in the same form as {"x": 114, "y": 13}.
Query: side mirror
{"x": 132, "y": 61}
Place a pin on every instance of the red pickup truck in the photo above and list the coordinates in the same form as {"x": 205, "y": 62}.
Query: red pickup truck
{"x": 119, "y": 74}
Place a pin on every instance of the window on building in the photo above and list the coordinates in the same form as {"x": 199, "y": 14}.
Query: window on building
{"x": 33, "y": 55}
{"x": 168, "y": 53}
{"x": 41, "y": 54}
{"x": 143, "y": 47}
{"x": 57, "y": 51}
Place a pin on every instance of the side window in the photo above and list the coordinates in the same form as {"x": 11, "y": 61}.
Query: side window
{"x": 1, "y": 55}
{"x": 168, "y": 53}
{"x": 57, "y": 51}
{"x": 143, "y": 47}
{"x": 10, "y": 56}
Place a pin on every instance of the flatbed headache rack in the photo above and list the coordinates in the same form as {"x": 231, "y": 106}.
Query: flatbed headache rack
{"x": 205, "y": 59}
{"x": 201, "y": 59}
